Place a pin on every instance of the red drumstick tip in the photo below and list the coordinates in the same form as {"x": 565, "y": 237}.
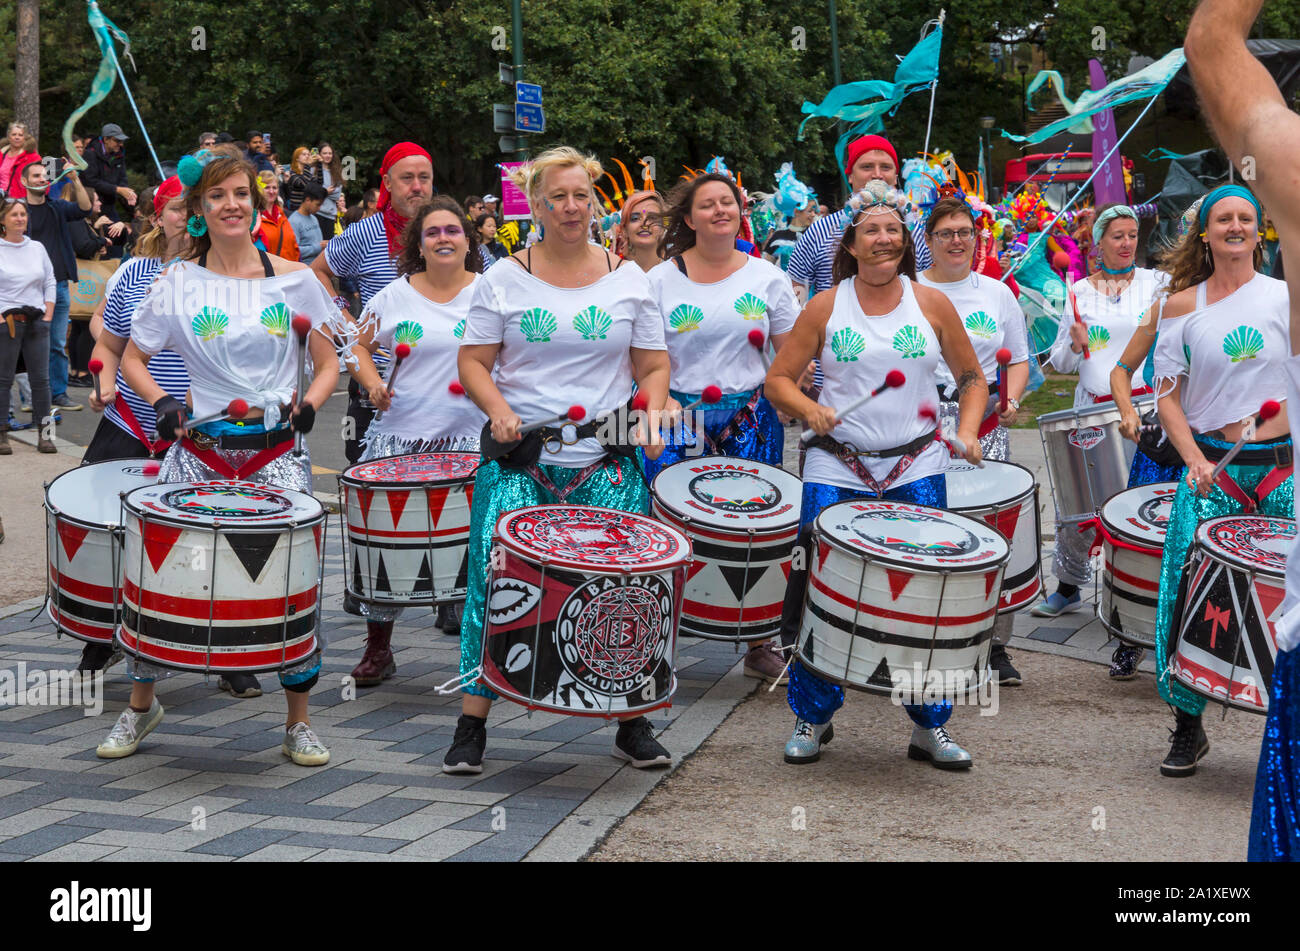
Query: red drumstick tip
{"x": 894, "y": 379}
{"x": 95, "y": 366}
{"x": 1270, "y": 409}
{"x": 711, "y": 394}
{"x": 577, "y": 412}
{"x": 455, "y": 388}
{"x": 151, "y": 468}
{"x": 928, "y": 412}
{"x": 237, "y": 409}
{"x": 640, "y": 402}
{"x": 301, "y": 326}
{"x": 1004, "y": 355}
{"x": 756, "y": 338}
{"x": 402, "y": 351}
{"x": 1060, "y": 261}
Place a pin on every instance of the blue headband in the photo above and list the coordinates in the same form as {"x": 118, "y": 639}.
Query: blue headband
{"x": 1107, "y": 216}
{"x": 1228, "y": 191}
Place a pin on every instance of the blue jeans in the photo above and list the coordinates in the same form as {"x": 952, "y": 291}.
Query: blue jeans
{"x": 59, "y": 341}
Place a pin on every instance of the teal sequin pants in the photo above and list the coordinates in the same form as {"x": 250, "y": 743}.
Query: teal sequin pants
{"x": 500, "y": 489}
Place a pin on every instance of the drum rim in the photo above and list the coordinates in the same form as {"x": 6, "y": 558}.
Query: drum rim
{"x": 345, "y": 479}
{"x": 53, "y": 509}
{"x": 566, "y": 565}
{"x": 900, "y": 562}
{"x": 1032, "y": 490}
{"x": 770, "y": 528}
{"x": 1230, "y": 561}
{"x": 1129, "y": 535}
{"x": 227, "y": 526}
{"x": 1079, "y": 411}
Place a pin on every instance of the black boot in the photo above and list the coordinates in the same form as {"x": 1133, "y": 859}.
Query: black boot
{"x": 466, "y": 753}
{"x": 1188, "y": 743}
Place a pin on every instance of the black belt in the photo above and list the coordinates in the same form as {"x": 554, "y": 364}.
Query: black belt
{"x": 1279, "y": 455}
{"x": 265, "y": 440}
{"x": 835, "y": 447}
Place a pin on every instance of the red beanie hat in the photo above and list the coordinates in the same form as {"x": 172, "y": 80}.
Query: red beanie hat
{"x": 867, "y": 143}
{"x": 165, "y": 192}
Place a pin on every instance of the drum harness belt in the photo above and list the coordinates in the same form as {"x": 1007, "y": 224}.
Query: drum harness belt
{"x": 948, "y": 394}
{"x": 850, "y": 455}
{"x": 1283, "y": 462}
{"x": 747, "y": 411}
{"x": 273, "y": 445}
{"x": 128, "y": 417}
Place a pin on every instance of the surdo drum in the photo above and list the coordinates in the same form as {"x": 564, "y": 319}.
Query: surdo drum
{"x": 582, "y": 610}
{"x": 1088, "y": 460}
{"x": 902, "y": 599}
{"x": 742, "y": 519}
{"x": 407, "y": 527}
{"x": 1133, "y": 526}
{"x": 83, "y": 546}
{"x": 1226, "y": 643}
{"x": 1006, "y": 496}
{"x": 221, "y": 576}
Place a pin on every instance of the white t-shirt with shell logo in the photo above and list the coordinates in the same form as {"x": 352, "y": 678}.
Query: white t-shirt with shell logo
{"x": 992, "y": 318}
{"x": 707, "y": 326}
{"x": 561, "y": 346}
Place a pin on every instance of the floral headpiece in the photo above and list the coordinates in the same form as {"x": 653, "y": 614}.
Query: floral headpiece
{"x": 877, "y": 198}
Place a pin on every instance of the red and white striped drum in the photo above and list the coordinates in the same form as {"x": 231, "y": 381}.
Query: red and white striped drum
{"x": 1006, "y": 496}
{"x": 1226, "y": 642}
{"x": 83, "y": 546}
{"x": 742, "y": 519}
{"x": 582, "y": 610}
{"x": 1133, "y": 526}
{"x": 902, "y": 599}
{"x": 221, "y": 576}
{"x": 408, "y": 527}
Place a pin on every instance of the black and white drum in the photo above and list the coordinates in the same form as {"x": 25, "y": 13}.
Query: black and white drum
{"x": 1133, "y": 526}
{"x": 902, "y": 599}
{"x": 582, "y": 610}
{"x": 83, "y": 545}
{"x": 1088, "y": 460}
{"x": 742, "y": 519}
{"x": 1233, "y": 589}
{"x": 1006, "y": 496}
{"x": 221, "y": 576}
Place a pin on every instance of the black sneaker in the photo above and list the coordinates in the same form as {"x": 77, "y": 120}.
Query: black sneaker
{"x": 99, "y": 657}
{"x": 1124, "y": 662}
{"x": 448, "y": 618}
{"x": 636, "y": 743}
{"x": 1188, "y": 744}
{"x": 1000, "y": 664}
{"x": 240, "y": 686}
{"x": 466, "y": 753}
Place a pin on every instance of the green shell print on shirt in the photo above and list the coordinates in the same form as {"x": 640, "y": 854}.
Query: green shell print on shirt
{"x": 459, "y": 330}
{"x": 1098, "y": 339}
{"x": 537, "y": 324}
{"x": 980, "y": 324}
{"x": 750, "y": 307}
{"x": 910, "y": 342}
{"x": 209, "y": 323}
{"x": 1244, "y": 343}
{"x": 846, "y": 344}
{"x": 593, "y": 323}
{"x": 408, "y": 332}
{"x": 685, "y": 318}
{"x": 276, "y": 319}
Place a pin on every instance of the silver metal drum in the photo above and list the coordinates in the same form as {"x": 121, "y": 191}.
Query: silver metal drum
{"x": 1088, "y": 460}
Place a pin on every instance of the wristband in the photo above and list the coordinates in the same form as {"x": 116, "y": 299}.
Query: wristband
{"x": 1121, "y": 363}
{"x": 341, "y": 304}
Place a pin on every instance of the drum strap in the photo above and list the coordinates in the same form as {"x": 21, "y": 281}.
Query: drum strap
{"x": 216, "y": 463}
{"x": 1103, "y": 534}
{"x": 727, "y": 431}
{"x": 853, "y": 462}
{"x": 542, "y": 479}
{"x": 1276, "y": 476}
{"x": 128, "y": 417}
{"x": 1140, "y": 391}
{"x": 989, "y": 424}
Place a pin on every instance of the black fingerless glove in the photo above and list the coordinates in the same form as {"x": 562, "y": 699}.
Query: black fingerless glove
{"x": 516, "y": 455}
{"x": 171, "y": 417}
{"x": 304, "y": 419}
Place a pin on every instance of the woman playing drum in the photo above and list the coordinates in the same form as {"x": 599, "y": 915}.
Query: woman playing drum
{"x": 992, "y": 320}
{"x": 559, "y": 323}
{"x": 425, "y": 307}
{"x": 876, "y": 319}
{"x": 227, "y": 311}
{"x": 1223, "y": 347}
{"x": 1110, "y": 304}
{"x": 712, "y": 297}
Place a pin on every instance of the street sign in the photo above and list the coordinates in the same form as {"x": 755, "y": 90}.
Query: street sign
{"x": 506, "y": 73}
{"x": 503, "y": 118}
{"x": 529, "y": 118}
{"x": 512, "y": 143}
{"x": 529, "y": 93}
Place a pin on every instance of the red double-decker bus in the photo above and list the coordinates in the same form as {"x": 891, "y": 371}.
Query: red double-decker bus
{"x": 1070, "y": 173}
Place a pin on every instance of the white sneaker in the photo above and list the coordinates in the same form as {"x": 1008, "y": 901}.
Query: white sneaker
{"x": 129, "y": 730}
{"x": 303, "y": 747}
{"x": 938, "y": 747}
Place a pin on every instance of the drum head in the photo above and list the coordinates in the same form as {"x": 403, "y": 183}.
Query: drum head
{"x": 970, "y": 487}
{"x": 91, "y": 493}
{"x": 592, "y": 540}
{"x": 1141, "y": 513}
{"x": 1257, "y": 543}
{"x": 913, "y": 535}
{"x": 226, "y": 503}
{"x": 732, "y": 494}
{"x": 418, "y": 467}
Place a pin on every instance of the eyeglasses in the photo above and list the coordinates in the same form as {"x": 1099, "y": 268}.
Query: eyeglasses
{"x": 961, "y": 234}
{"x": 649, "y": 217}
{"x": 451, "y": 231}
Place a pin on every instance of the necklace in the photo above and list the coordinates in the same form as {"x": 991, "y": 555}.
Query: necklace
{"x": 1123, "y": 270}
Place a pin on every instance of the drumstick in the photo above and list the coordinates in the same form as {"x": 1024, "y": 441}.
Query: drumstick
{"x": 572, "y": 414}
{"x": 455, "y": 389}
{"x": 96, "y": 367}
{"x": 401, "y": 351}
{"x": 235, "y": 409}
{"x": 1074, "y": 305}
{"x": 151, "y": 468}
{"x": 1004, "y": 360}
{"x": 893, "y": 380}
{"x": 1266, "y": 412}
{"x": 710, "y": 396}
{"x": 760, "y": 343}
{"x": 955, "y": 445}
{"x": 301, "y": 327}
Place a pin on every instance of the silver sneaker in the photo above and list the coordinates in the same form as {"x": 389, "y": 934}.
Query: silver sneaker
{"x": 806, "y": 744}
{"x": 303, "y": 747}
{"x": 938, "y": 747}
{"x": 129, "y": 730}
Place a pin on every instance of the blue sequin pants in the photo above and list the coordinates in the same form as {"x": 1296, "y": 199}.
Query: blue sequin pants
{"x": 812, "y": 698}
{"x": 760, "y": 438}
{"x": 500, "y": 489}
{"x": 1189, "y": 510}
{"x": 1275, "y": 819}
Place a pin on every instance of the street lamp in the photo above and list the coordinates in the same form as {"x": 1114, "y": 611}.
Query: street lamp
{"x": 986, "y": 123}
{"x": 1024, "y": 114}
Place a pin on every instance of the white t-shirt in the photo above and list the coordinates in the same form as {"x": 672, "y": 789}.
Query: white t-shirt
{"x": 992, "y": 318}
{"x": 707, "y": 326}
{"x": 234, "y": 334}
{"x": 423, "y": 407}
{"x": 564, "y": 346}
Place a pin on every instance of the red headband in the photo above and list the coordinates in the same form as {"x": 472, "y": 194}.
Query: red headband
{"x": 165, "y": 192}
{"x": 394, "y": 155}
{"x": 867, "y": 143}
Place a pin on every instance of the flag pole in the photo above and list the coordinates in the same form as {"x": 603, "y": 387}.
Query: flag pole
{"x": 933, "y": 83}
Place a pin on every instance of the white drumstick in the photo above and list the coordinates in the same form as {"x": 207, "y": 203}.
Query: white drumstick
{"x": 893, "y": 379}
{"x": 955, "y": 445}
{"x": 1266, "y": 412}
